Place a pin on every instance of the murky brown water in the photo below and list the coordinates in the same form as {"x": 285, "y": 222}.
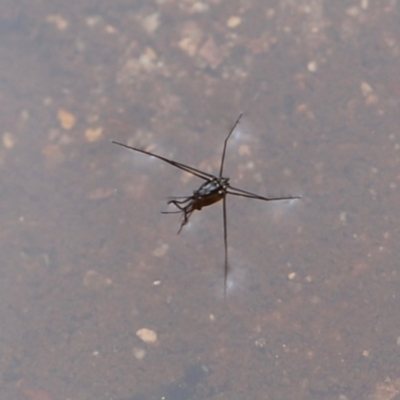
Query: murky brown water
{"x": 92, "y": 271}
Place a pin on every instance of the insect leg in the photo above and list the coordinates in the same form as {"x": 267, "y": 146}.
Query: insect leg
{"x": 226, "y": 265}
{"x": 176, "y": 164}
{"x": 225, "y": 142}
{"x": 185, "y": 210}
{"x": 244, "y": 193}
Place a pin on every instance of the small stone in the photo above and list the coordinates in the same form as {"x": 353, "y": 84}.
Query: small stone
{"x": 139, "y": 353}
{"x": 147, "y": 335}
{"x": 58, "y": 21}
{"x": 233, "y": 22}
{"x": 151, "y": 22}
{"x": 93, "y": 134}
{"x": 188, "y": 45}
{"x": 67, "y": 120}
{"x": 8, "y": 140}
{"x": 312, "y": 66}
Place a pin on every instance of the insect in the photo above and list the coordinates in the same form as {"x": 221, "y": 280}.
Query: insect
{"x": 214, "y": 189}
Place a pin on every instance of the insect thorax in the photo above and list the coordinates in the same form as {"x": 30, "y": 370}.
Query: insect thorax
{"x": 210, "y": 192}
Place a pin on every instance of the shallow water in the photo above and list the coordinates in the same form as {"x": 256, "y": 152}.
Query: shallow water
{"x": 88, "y": 260}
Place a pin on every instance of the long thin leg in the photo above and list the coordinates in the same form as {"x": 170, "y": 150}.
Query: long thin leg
{"x": 244, "y": 193}
{"x": 184, "y": 167}
{"x": 175, "y": 200}
{"x": 226, "y": 265}
{"x": 226, "y": 141}
{"x": 185, "y": 219}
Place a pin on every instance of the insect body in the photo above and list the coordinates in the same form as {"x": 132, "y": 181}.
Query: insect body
{"x": 214, "y": 189}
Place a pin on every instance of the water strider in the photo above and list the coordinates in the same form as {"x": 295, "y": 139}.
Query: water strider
{"x": 214, "y": 189}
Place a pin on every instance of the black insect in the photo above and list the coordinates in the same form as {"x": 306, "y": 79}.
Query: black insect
{"x": 214, "y": 189}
